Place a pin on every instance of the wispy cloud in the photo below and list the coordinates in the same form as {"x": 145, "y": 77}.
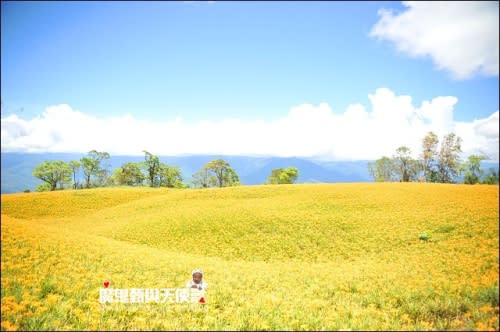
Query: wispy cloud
{"x": 306, "y": 131}
{"x": 461, "y": 37}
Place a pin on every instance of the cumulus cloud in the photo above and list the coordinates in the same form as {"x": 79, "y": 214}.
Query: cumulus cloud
{"x": 480, "y": 136}
{"x": 461, "y": 37}
{"x": 306, "y": 131}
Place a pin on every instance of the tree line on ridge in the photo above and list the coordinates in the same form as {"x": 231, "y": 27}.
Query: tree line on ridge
{"x": 437, "y": 163}
{"x": 92, "y": 171}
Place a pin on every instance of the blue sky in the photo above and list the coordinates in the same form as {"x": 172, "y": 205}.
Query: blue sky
{"x": 249, "y": 61}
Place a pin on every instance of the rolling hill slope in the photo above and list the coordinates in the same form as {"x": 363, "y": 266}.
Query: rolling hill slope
{"x": 308, "y": 257}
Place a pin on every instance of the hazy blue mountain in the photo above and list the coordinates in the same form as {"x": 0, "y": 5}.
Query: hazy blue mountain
{"x": 17, "y": 168}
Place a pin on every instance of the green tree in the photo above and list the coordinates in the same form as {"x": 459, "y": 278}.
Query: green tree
{"x": 449, "y": 158}
{"x": 170, "y": 176}
{"x": 43, "y": 187}
{"x": 231, "y": 178}
{"x": 129, "y": 174}
{"x": 429, "y": 156}
{"x": 91, "y": 165}
{"x": 201, "y": 178}
{"x": 102, "y": 178}
{"x": 53, "y": 173}
{"x": 491, "y": 177}
{"x": 47, "y": 173}
{"x": 405, "y": 167}
{"x": 220, "y": 174}
{"x": 382, "y": 169}
{"x": 471, "y": 169}
{"x": 283, "y": 175}
{"x": 75, "y": 167}
{"x": 152, "y": 165}
{"x": 64, "y": 174}
{"x": 116, "y": 176}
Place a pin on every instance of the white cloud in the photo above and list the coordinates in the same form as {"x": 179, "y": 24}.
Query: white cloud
{"x": 306, "y": 131}
{"x": 480, "y": 136}
{"x": 487, "y": 127}
{"x": 460, "y": 36}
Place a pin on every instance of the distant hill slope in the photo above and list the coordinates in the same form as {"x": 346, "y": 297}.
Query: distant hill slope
{"x": 17, "y": 168}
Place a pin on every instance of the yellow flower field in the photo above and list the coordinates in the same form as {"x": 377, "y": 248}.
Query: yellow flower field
{"x": 293, "y": 257}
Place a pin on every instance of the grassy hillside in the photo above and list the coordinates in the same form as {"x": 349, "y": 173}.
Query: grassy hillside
{"x": 302, "y": 257}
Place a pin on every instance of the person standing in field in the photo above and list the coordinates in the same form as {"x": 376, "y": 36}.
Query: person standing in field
{"x": 197, "y": 281}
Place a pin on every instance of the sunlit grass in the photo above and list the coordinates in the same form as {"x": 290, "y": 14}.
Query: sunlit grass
{"x": 301, "y": 257}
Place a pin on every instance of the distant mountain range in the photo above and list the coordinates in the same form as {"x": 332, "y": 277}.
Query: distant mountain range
{"x": 17, "y": 168}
